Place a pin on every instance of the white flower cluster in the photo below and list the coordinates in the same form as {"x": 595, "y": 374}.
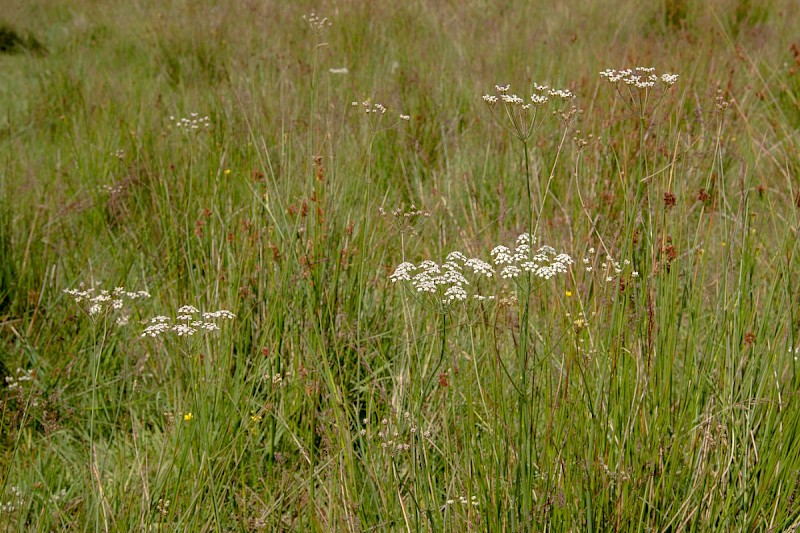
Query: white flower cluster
{"x": 18, "y": 381}
{"x": 447, "y": 281}
{"x": 464, "y": 501}
{"x": 111, "y": 189}
{"x": 369, "y": 107}
{"x": 377, "y": 110}
{"x": 99, "y": 302}
{"x": 405, "y": 221}
{"x": 316, "y": 22}
{"x": 639, "y": 77}
{"x": 186, "y": 322}
{"x": 58, "y": 496}
{"x": 394, "y": 436}
{"x": 542, "y": 94}
{"x": 544, "y": 263}
{"x": 521, "y": 116}
{"x": 610, "y": 269}
{"x": 193, "y": 123}
{"x": 16, "y": 501}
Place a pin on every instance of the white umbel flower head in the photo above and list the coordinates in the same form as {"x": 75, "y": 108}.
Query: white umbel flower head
{"x": 186, "y": 323}
{"x": 639, "y": 77}
{"x": 102, "y": 302}
{"x": 544, "y": 263}
{"x": 446, "y": 283}
{"x": 522, "y": 116}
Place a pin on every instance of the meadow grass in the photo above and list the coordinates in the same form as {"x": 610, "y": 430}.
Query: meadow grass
{"x": 219, "y": 155}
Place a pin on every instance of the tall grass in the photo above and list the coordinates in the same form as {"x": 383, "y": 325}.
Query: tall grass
{"x": 651, "y": 387}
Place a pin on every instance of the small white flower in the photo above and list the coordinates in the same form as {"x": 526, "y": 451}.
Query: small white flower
{"x": 510, "y": 271}
{"x": 669, "y": 79}
{"x": 564, "y": 259}
{"x": 480, "y": 267}
{"x": 547, "y": 249}
{"x": 402, "y": 272}
{"x": 640, "y": 77}
{"x": 430, "y": 266}
{"x": 456, "y": 256}
{"x": 183, "y": 329}
{"x": 454, "y": 292}
{"x": 501, "y": 255}
{"x": 525, "y": 239}
{"x": 564, "y": 94}
{"x": 155, "y": 330}
{"x": 424, "y": 283}
{"x": 222, "y": 313}
{"x": 193, "y": 123}
{"x": 511, "y": 99}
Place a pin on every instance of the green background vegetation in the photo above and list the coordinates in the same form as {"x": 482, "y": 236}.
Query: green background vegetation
{"x": 671, "y": 406}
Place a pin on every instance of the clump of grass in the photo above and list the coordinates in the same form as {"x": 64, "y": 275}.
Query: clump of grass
{"x": 12, "y": 42}
{"x": 372, "y": 378}
{"x": 7, "y": 265}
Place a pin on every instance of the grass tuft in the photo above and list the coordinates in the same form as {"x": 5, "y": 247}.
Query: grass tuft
{"x": 394, "y": 266}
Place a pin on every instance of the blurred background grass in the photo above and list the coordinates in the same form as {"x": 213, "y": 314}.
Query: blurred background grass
{"x": 673, "y": 407}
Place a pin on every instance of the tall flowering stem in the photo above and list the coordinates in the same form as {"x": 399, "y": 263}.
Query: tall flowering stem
{"x": 443, "y": 288}
{"x": 642, "y": 90}
{"x": 105, "y": 308}
{"x": 377, "y": 122}
{"x": 318, "y": 26}
{"x": 523, "y": 119}
{"x": 448, "y": 286}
